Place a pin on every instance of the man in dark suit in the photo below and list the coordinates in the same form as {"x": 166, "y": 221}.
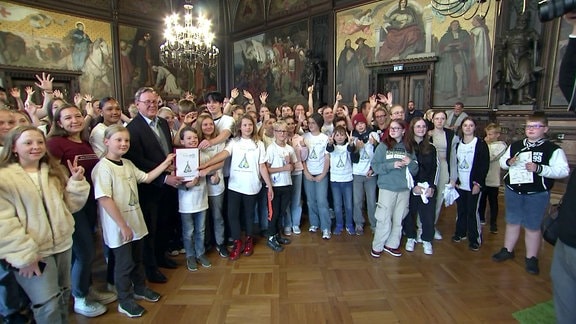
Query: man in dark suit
{"x": 150, "y": 143}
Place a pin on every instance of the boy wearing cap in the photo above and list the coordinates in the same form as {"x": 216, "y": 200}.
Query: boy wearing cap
{"x": 364, "y": 183}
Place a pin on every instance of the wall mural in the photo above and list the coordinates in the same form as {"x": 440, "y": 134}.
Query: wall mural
{"x": 273, "y": 62}
{"x": 556, "y": 96}
{"x": 391, "y": 30}
{"x": 48, "y": 40}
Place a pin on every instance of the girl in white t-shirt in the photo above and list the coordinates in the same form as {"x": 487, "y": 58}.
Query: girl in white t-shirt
{"x": 341, "y": 178}
{"x": 316, "y": 169}
{"x": 115, "y": 187}
{"x": 247, "y": 167}
{"x": 280, "y": 160}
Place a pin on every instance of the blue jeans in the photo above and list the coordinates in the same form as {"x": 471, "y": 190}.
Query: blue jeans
{"x": 294, "y": 212}
{"x": 317, "y": 200}
{"x": 364, "y": 186}
{"x": 11, "y": 295}
{"x": 342, "y": 194}
{"x": 193, "y": 228}
{"x": 216, "y": 210}
{"x": 83, "y": 249}
{"x": 563, "y": 275}
{"x": 50, "y": 292}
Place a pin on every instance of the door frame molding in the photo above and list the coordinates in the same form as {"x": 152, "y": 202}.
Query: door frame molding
{"x": 402, "y": 67}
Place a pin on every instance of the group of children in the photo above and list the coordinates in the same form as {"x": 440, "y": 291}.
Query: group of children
{"x": 402, "y": 162}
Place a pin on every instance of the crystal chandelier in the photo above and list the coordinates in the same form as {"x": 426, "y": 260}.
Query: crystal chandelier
{"x": 459, "y": 8}
{"x": 190, "y": 45}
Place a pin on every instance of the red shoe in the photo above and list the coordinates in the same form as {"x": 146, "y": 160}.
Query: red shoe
{"x": 249, "y": 246}
{"x": 236, "y": 250}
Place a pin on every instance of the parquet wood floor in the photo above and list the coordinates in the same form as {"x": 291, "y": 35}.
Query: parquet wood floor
{"x": 337, "y": 281}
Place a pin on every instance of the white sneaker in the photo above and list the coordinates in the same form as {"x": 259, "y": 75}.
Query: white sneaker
{"x": 427, "y": 248}
{"x": 410, "y": 244}
{"x": 419, "y": 235}
{"x": 102, "y": 297}
{"x": 437, "y": 235}
{"x": 88, "y": 308}
{"x": 326, "y": 234}
{"x": 313, "y": 229}
{"x": 296, "y": 230}
{"x": 287, "y": 231}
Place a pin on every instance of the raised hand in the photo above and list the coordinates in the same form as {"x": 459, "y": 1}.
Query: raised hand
{"x": 29, "y": 91}
{"x": 263, "y": 97}
{"x": 234, "y": 93}
{"x": 15, "y": 92}
{"x": 44, "y": 82}
{"x": 355, "y": 101}
{"x": 247, "y": 94}
{"x": 77, "y": 99}
{"x": 58, "y": 94}
{"x": 88, "y": 97}
{"x": 338, "y": 96}
{"x": 76, "y": 171}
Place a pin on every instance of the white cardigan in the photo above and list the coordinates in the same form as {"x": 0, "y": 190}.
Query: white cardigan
{"x": 32, "y": 227}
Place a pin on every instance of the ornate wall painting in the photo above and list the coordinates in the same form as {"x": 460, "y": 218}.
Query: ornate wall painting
{"x": 280, "y": 8}
{"x": 391, "y": 30}
{"x": 273, "y": 62}
{"x": 43, "y": 39}
{"x": 249, "y": 13}
{"x": 140, "y": 66}
{"x": 557, "y": 99}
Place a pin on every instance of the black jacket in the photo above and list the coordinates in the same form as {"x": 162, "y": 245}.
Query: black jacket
{"x": 480, "y": 163}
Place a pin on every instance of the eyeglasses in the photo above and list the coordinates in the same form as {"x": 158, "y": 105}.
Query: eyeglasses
{"x": 396, "y": 129}
{"x": 537, "y": 126}
{"x": 280, "y": 131}
{"x": 150, "y": 102}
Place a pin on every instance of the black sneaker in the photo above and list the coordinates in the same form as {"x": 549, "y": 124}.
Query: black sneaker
{"x": 131, "y": 309}
{"x": 503, "y": 255}
{"x": 532, "y": 266}
{"x": 458, "y": 239}
{"x": 148, "y": 295}
{"x": 222, "y": 250}
{"x": 274, "y": 245}
{"x": 282, "y": 240}
{"x": 474, "y": 247}
{"x": 493, "y": 230}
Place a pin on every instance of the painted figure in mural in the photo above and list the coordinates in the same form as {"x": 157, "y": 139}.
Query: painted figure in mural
{"x": 362, "y": 23}
{"x": 402, "y": 33}
{"x": 365, "y": 55}
{"x": 170, "y": 84}
{"x": 453, "y": 74}
{"x": 80, "y": 45}
{"x": 294, "y": 65}
{"x": 348, "y": 75}
{"x": 144, "y": 61}
{"x": 482, "y": 53}
{"x": 314, "y": 75}
{"x": 126, "y": 67}
{"x": 519, "y": 56}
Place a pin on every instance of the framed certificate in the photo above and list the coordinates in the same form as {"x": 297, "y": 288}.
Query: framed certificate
{"x": 187, "y": 161}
